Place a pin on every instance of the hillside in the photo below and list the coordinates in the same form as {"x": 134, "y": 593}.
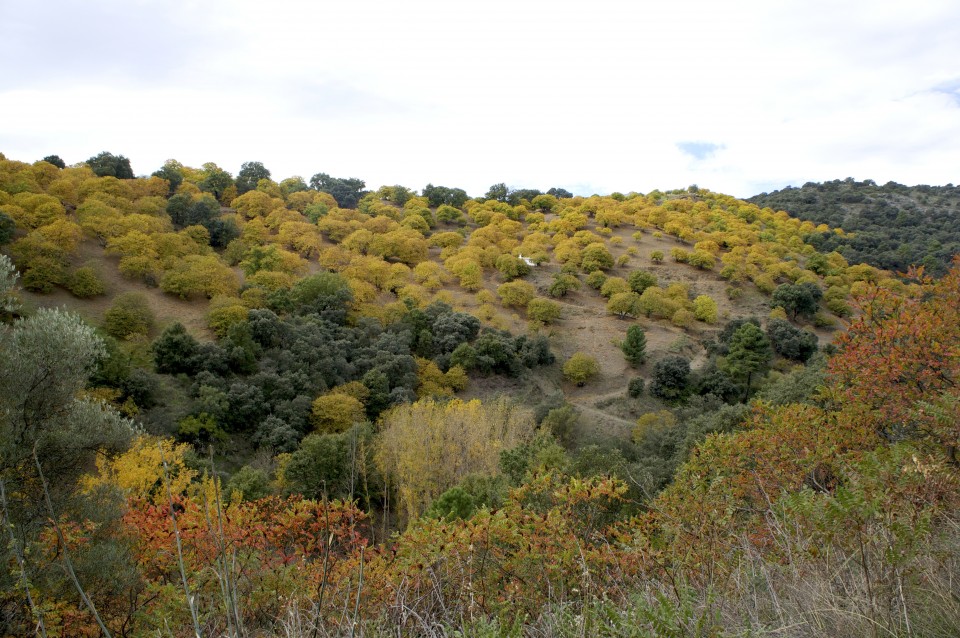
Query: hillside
{"x": 292, "y": 409}
{"x": 890, "y": 226}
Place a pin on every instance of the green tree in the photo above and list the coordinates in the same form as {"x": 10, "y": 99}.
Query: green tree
{"x": 250, "y": 173}
{"x": 440, "y": 195}
{"x": 172, "y": 171}
{"x": 624, "y": 304}
{"x": 7, "y": 228}
{"x": 109, "y": 165}
{"x": 498, "y": 192}
{"x": 55, "y": 160}
{"x": 790, "y": 341}
{"x": 580, "y": 368}
{"x": 347, "y": 191}
{"x": 671, "y": 377}
{"x": 45, "y": 361}
{"x": 749, "y": 353}
{"x": 250, "y": 483}
{"x": 215, "y": 180}
{"x": 640, "y": 280}
{"x": 596, "y": 257}
{"x": 797, "y": 299}
{"x": 562, "y": 284}
{"x": 635, "y": 345}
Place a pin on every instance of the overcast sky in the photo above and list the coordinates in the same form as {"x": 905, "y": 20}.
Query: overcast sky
{"x": 737, "y": 96}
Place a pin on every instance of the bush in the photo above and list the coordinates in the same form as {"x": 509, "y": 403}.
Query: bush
{"x": 562, "y": 284}
{"x": 640, "y": 280}
{"x": 705, "y": 309}
{"x": 128, "y": 315}
{"x": 790, "y": 341}
{"x": 250, "y": 483}
{"x": 560, "y": 422}
{"x": 596, "y": 279}
{"x": 541, "y": 309}
{"x": 580, "y": 368}
{"x": 671, "y": 376}
{"x": 175, "y": 350}
{"x": 516, "y": 293}
{"x": 635, "y": 387}
{"x": 85, "y": 283}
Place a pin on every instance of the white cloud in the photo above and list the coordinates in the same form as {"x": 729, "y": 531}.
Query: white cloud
{"x": 589, "y": 97}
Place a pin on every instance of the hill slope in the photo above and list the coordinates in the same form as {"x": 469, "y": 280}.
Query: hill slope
{"x": 890, "y": 226}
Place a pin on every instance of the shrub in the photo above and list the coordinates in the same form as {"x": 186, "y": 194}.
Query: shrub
{"x": 596, "y": 257}
{"x": 562, "y": 284}
{"x": 516, "y": 293}
{"x": 656, "y": 256}
{"x": 635, "y": 387}
{"x": 580, "y": 368}
{"x": 790, "y": 341}
{"x": 596, "y": 279}
{"x": 128, "y": 315}
{"x": 336, "y": 412}
{"x": 541, "y": 309}
{"x": 671, "y": 377}
{"x": 84, "y": 282}
{"x": 705, "y": 309}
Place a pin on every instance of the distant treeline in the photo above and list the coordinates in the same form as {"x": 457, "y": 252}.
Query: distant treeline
{"x": 890, "y": 226}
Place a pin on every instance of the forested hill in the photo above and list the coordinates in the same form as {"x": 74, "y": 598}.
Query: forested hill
{"x": 890, "y": 226}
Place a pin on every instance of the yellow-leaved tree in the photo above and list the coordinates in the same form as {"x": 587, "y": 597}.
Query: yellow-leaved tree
{"x": 427, "y": 447}
{"x": 139, "y": 471}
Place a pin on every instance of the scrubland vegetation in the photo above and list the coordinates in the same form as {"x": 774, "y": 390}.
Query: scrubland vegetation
{"x": 232, "y": 406}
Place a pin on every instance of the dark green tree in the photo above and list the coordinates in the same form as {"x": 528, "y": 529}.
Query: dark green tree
{"x": 216, "y": 180}
{"x": 560, "y": 193}
{"x": 109, "y": 165}
{"x": 174, "y": 351}
{"x": 251, "y": 173}
{"x": 7, "y": 228}
{"x": 499, "y": 192}
{"x": 172, "y": 171}
{"x": 640, "y": 280}
{"x": 347, "y": 191}
{"x": 749, "y": 353}
{"x": 520, "y": 194}
{"x": 671, "y": 377}
{"x": 440, "y": 195}
{"x": 791, "y": 342}
{"x": 635, "y": 345}
{"x": 55, "y": 160}
{"x": 797, "y": 299}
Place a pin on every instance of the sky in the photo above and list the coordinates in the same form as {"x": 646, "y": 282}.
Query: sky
{"x": 739, "y": 97}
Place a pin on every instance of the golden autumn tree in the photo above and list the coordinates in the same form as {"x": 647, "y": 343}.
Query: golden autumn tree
{"x": 427, "y": 447}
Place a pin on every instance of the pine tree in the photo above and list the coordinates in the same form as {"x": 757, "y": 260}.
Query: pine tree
{"x": 635, "y": 346}
{"x": 749, "y": 353}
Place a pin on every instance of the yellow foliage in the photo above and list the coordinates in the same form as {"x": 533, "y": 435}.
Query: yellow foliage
{"x": 336, "y": 412}
{"x": 428, "y": 447}
{"x": 139, "y": 471}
